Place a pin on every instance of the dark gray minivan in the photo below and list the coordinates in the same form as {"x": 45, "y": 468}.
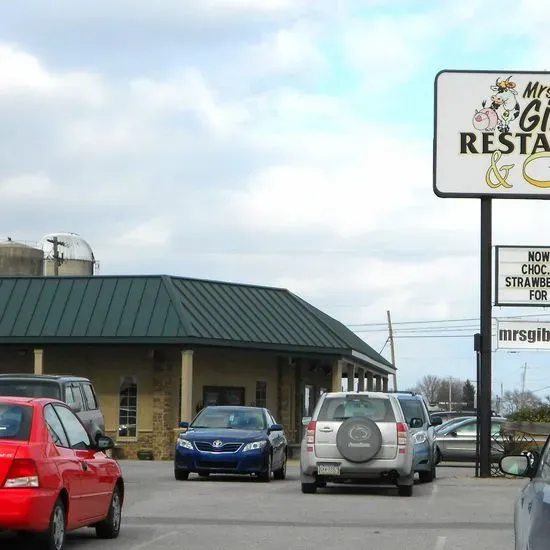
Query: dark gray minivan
{"x": 77, "y": 392}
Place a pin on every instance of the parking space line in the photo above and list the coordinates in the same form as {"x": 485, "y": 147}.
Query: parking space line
{"x": 440, "y": 543}
{"x": 435, "y": 489}
{"x": 155, "y": 540}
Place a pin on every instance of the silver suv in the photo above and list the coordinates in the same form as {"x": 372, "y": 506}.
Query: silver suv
{"x": 357, "y": 436}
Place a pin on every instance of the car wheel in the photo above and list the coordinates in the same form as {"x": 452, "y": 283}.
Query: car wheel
{"x": 405, "y": 490}
{"x": 281, "y": 473}
{"x": 266, "y": 476}
{"x": 309, "y": 488}
{"x": 54, "y": 537}
{"x": 427, "y": 477}
{"x": 180, "y": 475}
{"x": 109, "y": 528}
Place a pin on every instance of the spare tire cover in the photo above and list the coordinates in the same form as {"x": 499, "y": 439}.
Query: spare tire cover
{"x": 358, "y": 439}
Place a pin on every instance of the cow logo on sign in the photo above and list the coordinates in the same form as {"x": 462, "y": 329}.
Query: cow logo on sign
{"x": 502, "y": 109}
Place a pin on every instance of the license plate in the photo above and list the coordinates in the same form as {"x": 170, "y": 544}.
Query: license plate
{"x": 328, "y": 469}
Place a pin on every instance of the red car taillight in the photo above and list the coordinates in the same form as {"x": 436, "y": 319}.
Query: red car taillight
{"x": 402, "y": 436}
{"x": 310, "y": 436}
{"x": 22, "y": 473}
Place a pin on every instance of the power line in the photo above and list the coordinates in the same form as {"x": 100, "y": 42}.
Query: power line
{"x": 437, "y": 321}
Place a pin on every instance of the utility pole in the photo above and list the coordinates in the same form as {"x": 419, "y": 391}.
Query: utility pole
{"x": 392, "y": 349}
{"x": 57, "y": 260}
{"x": 523, "y": 378}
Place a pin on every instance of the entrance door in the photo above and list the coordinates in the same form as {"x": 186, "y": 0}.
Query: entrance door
{"x": 222, "y": 395}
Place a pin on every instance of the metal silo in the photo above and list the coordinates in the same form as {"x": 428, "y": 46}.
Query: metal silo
{"x": 74, "y": 255}
{"x": 18, "y": 259}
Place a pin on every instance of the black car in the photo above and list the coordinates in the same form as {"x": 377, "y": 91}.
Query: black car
{"x": 532, "y": 507}
{"x": 78, "y": 392}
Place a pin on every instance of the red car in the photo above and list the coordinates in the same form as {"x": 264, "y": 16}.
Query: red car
{"x": 53, "y": 477}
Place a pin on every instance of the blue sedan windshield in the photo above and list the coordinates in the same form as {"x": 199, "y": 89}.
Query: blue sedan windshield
{"x": 230, "y": 419}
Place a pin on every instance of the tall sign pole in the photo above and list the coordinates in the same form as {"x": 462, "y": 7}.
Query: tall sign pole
{"x": 485, "y": 316}
{"x": 492, "y": 141}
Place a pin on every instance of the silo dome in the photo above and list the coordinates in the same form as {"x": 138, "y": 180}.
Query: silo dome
{"x": 75, "y": 254}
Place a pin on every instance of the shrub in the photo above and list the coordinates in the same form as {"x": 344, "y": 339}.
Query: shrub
{"x": 541, "y": 413}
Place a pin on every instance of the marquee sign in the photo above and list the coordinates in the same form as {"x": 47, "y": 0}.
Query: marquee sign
{"x": 522, "y": 276}
{"x": 492, "y": 134}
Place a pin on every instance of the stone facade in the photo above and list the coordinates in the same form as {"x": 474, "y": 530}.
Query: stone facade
{"x": 164, "y": 421}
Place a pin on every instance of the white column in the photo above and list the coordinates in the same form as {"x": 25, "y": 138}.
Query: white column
{"x": 186, "y": 412}
{"x": 351, "y": 377}
{"x": 38, "y": 361}
{"x": 336, "y": 376}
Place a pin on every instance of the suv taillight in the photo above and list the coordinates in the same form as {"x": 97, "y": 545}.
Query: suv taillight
{"x": 310, "y": 436}
{"x": 402, "y": 435}
{"x": 22, "y": 473}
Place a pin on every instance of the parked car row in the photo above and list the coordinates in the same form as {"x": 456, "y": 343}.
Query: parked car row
{"x": 364, "y": 436}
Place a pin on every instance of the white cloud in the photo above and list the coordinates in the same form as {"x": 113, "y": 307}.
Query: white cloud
{"x": 22, "y": 73}
{"x": 153, "y": 233}
{"x": 26, "y": 187}
{"x": 290, "y": 51}
{"x": 205, "y": 168}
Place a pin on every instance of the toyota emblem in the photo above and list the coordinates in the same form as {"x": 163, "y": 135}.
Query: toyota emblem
{"x": 217, "y": 443}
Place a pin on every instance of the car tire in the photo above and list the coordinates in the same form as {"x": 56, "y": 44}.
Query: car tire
{"x": 281, "y": 472}
{"x": 180, "y": 474}
{"x": 109, "y": 528}
{"x": 427, "y": 477}
{"x": 54, "y": 537}
{"x": 309, "y": 488}
{"x": 266, "y": 475}
{"x": 405, "y": 490}
{"x": 367, "y": 430}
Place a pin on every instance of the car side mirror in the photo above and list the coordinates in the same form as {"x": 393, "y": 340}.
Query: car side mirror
{"x": 104, "y": 442}
{"x": 75, "y": 407}
{"x": 416, "y": 423}
{"x": 184, "y": 425}
{"x": 516, "y": 465}
{"x": 436, "y": 421}
{"x": 453, "y": 433}
{"x": 276, "y": 428}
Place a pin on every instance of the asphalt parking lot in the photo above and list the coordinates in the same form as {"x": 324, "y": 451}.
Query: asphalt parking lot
{"x": 456, "y": 512}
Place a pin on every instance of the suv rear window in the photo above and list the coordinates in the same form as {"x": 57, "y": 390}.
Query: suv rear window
{"x": 356, "y": 406}
{"x": 15, "y": 421}
{"x": 412, "y": 408}
{"x": 29, "y": 388}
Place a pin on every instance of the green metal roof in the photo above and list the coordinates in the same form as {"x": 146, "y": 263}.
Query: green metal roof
{"x": 161, "y": 309}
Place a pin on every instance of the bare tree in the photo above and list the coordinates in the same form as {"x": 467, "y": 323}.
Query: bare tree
{"x": 457, "y": 387}
{"x": 429, "y": 386}
{"x": 515, "y": 400}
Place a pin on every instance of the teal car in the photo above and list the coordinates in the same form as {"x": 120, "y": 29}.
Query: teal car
{"x": 423, "y": 435}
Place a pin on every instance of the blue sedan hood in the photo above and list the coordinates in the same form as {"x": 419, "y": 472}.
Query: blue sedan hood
{"x": 211, "y": 434}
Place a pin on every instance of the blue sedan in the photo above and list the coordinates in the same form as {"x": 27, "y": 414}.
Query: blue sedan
{"x": 231, "y": 440}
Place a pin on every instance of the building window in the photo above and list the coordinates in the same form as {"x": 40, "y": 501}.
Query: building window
{"x": 261, "y": 394}
{"x": 127, "y": 415}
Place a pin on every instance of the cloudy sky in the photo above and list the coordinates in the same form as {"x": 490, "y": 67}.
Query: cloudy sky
{"x": 279, "y": 142}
